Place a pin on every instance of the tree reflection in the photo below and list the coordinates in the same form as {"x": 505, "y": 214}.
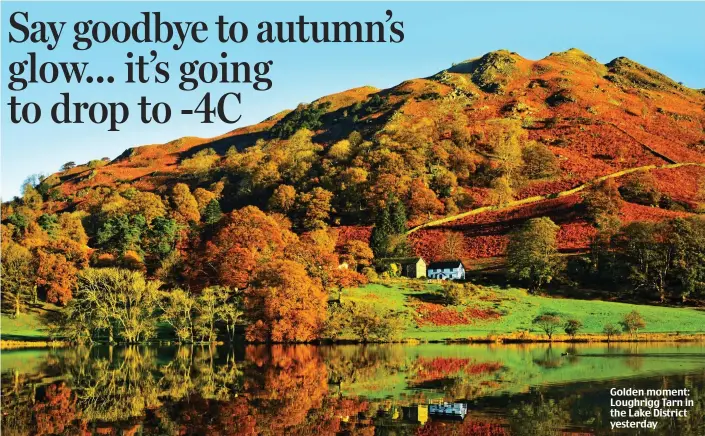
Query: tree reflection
{"x": 538, "y": 417}
{"x": 304, "y": 390}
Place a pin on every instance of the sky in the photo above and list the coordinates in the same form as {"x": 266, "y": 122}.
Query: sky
{"x": 668, "y": 37}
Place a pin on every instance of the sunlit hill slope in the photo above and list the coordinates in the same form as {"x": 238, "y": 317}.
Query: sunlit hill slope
{"x": 435, "y": 143}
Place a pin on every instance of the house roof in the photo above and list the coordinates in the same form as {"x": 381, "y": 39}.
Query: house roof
{"x": 401, "y": 260}
{"x": 449, "y": 264}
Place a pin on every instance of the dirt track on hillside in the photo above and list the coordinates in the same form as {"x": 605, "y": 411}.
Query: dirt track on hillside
{"x": 539, "y": 198}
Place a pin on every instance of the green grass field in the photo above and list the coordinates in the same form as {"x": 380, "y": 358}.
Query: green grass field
{"x": 517, "y": 309}
{"x": 28, "y": 326}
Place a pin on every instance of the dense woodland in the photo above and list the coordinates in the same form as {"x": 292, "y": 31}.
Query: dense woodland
{"x": 257, "y": 236}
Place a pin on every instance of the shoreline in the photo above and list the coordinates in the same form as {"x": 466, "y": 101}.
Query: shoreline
{"x": 9, "y": 345}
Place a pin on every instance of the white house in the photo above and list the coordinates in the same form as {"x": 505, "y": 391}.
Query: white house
{"x": 447, "y": 270}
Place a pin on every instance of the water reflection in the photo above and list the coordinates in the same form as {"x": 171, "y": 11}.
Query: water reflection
{"x": 375, "y": 389}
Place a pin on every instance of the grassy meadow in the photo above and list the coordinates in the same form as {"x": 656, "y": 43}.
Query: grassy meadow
{"x": 492, "y": 313}
{"x": 508, "y": 313}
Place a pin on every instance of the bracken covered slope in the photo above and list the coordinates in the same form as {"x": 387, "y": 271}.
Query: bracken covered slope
{"x": 595, "y": 119}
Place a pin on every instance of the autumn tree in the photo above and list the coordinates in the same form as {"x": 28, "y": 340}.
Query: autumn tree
{"x": 283, "y": 199}
{"x": 453, "y": 245}
{"x": 30, "y": 196}
{"x": 315, "y": 250}
{"x": 423, "y": 200}
{"x": 548, "y": 323}
{"x": 18, "y": 272}
{"x": 602, "y": 202}
{"x": 539, "y": 161}
{"x": 58, "y": 265}
{"x": 184, "y": 204}
{"x": 353, "y": 182}
{"x": 120, "y": 302}
{"x": 285, "y": 304}
{"x": 147, "y": 204}
{"x": 246, "y": 238}
{"x": 532, "y": 254}
{"x": 201, "y": 162}
{"x": 364, "y": 322}
{"x": 203, "y": 198}
{"x": 640, "y": 188}
{"x": 357, "y": 254}
{"x": 506, "y": 140}
{"x": 340, "y": 151}
{"x": 230, "y": 311}
{"x": 459, "y": 293}
{"x": 207, "y": 303}
{"x": 72, "y": 228}
{"x": 502, "y": 191}
{"x": 177, "y": 309}
{"x": 632, "y": 323}
{"x": 315, "y": 208}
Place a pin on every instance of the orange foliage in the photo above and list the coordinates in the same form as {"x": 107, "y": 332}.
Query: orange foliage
{"x": 469, "y": 427}
{"x": 57, "y": 266}
{"x": 247, "y": 237}
{"x": 56, "y": 412}
{"x": 287, "y": 304}
{"x": 438, "y": 314}
{"x": 443, "y": 367}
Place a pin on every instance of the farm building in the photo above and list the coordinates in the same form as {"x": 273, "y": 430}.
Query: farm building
{"x": 412, "y": 267}
{"x": 446, "y": 270}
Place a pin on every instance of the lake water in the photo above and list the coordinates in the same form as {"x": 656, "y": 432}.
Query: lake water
{"x": 528, "y": 389}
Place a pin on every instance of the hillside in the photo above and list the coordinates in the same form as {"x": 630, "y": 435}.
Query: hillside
{"x": 430, "y": 142}
{"x": 438, "y": 132}
{"x": 600, "y": 167}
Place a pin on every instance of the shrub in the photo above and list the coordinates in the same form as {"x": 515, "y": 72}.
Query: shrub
{"x": 201, "y": 162}
{"x": 640, "y": 189}
{"x": 610, "y": 330}
{"x": 303, "y": 117}
{"x": 602, "y": 201}
{"x": 458, "y": 293}
{"x": 96, "y": 163}
{"x": 539, "y": 162}
{"x": 365, "y": 322}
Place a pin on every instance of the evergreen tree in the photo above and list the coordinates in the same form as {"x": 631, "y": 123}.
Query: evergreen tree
{"x": 212, "y": 213}
{"x": 121, "y": 233}
{"x": 397, "y": 216}
{"x": 379, "y": 240}
{"x": 388, "y": 237}
{"x": 162, "y": 236}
